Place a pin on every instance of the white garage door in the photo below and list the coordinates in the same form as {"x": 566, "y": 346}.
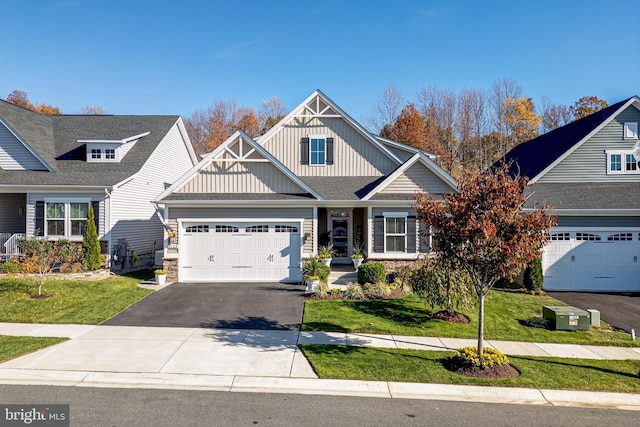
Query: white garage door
{"x": 240, "y": 252}
{"x": 592, "y": 261}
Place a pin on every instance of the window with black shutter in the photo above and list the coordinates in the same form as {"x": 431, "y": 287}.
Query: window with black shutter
{"x": 304, "y": 151}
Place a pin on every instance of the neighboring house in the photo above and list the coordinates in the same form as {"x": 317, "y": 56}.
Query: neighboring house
{"x": 253, "y": 209}
{"x": 587, "y": 171}
{"x": 53, "y": 167}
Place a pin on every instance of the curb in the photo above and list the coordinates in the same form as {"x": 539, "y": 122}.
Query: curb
{"x": 378, "y": 389}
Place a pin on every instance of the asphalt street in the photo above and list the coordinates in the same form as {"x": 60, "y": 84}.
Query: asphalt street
{"x": 98, "y": 407}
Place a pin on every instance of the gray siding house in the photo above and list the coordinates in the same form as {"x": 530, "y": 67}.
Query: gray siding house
{"x": 588, "y": 172}
{"x": 53, "y": 167}
{"x": 254, "y": 208}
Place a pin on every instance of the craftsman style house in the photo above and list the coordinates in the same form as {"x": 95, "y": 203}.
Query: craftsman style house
{"x": 254, "y": 208}
{"x": 53, "y": 167}
{"x": 588, "y": 171}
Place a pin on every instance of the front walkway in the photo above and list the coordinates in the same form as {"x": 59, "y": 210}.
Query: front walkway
{"x": 264, "y": 361}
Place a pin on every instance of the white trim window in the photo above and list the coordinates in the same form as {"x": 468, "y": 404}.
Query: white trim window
{"x": 65, "y": 218}
{"x": 630, "y": 130}
{"x": 317, "y": 150}
{"x": 621, "y": 162}
{"x": 395, "y": 232}
{"x": 96, "y": 154}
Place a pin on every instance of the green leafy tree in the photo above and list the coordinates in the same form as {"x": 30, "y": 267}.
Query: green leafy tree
{"x": 91, "y": 259}
{"x": 440, "y": 284}
{"x": 484, "y": 229}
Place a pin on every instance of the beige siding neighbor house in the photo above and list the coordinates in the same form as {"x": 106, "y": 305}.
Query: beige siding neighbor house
{"x": 254, "y": 208}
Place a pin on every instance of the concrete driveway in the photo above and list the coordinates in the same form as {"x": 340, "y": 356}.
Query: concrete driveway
{"x": 275, "y": 306}
{"x": 621, "y": 310}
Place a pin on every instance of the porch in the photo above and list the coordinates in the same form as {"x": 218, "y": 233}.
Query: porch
{"x": 12, "y": 223}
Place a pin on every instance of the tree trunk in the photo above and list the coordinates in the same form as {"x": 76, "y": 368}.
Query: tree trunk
{"x": 480, "y": 326}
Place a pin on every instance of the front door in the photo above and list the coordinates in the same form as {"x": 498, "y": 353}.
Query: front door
{"x": 340, "y": 232}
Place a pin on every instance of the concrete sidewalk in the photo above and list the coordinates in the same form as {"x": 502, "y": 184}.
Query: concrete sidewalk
{"x": 264, "y": 361}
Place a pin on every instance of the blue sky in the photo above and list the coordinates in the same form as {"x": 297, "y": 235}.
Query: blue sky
{"x": 174, "y": 57}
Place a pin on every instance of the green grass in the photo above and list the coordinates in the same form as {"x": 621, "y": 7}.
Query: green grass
{"x": 377, "y": 364}
{"x": 505, "y": 313}
{"x": 12, "y": 347}
{"x": 70, "y": 301}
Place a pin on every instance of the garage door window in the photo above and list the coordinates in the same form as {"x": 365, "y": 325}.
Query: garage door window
{"x": 587, "y": 236}
{"x": 286, "y": 229}
{"x": 621, "y": 237}
{"x": 201, "y": 228}
{"x": 226, "y": 229}
{"x": 561, "y": 236}
{"x": 257, "y": 229}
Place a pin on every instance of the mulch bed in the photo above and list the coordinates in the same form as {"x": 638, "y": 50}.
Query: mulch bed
{"x": 340, "y": 296}
{"x": 454, "y": 317}
{"x": 502, "y": 372}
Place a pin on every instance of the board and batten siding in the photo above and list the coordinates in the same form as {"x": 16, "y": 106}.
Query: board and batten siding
{"x": 353, "y": 154}
{"x": 224, "y": 177}
{"x": 588, "y": 163}
{"x": 417, "y": 178}
{"x": 14, "y": 155}
{"x": 133, "y": 215}
{"x": 12, "y": 213}
{"x": 205, "y": 213}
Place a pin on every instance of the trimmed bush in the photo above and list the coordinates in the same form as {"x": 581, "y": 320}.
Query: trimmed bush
{"x": 91, "y": 259}
{"x": 533, "y": 278}
{"x": 9, "y": 267}
{"x": 469, "y": 356}
{"x": 372, "y": 272}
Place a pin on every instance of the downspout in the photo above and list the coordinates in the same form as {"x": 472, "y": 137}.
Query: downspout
{"x": 170, "y": 232}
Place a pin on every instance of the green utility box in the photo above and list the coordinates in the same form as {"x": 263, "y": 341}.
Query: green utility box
{"x": 567, "y": 318}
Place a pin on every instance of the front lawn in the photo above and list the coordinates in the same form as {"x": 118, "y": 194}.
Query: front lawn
{"x": 70, "y": 301}
{"x": 419, "y": 366}
{"x": 12, "y": 347}
{"x": 505, "y": 313}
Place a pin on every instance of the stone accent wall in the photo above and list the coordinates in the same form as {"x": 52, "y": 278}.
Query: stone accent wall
{"x": 170, "y": 265}
{"x": 84, "y": 275}
{"x": 392, "y": 265}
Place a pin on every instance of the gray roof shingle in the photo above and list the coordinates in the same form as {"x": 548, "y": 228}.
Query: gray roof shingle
{"x": 587, "y": 195}
{"x": 55, "y": 139}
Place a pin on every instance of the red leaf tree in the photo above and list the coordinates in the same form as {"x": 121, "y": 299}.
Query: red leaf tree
{"x": 485, "y": 230}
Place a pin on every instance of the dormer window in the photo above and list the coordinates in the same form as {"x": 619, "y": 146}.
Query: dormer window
{"x": 110, "y": 150}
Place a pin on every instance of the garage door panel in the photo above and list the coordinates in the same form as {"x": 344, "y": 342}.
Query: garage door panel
{"x": 241, "y": 255}
{"x": 595, "y": 265}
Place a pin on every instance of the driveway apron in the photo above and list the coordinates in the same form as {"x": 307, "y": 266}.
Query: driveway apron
{"x": 621, "y": 310}
{"x": 274, "y": 306}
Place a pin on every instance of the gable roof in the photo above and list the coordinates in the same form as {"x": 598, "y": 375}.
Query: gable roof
{"x": 55, "y": 139}
{"x": 218, "y": 155}
{"x": 320, "y": 105}
{"x": 419, "y": 157}
{"x": 537, "y": 156}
